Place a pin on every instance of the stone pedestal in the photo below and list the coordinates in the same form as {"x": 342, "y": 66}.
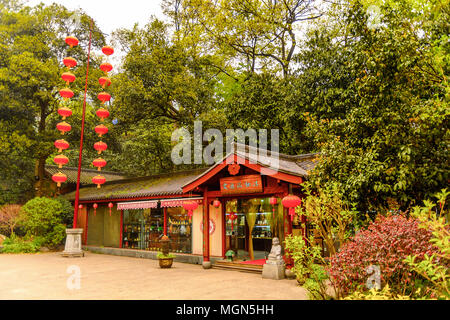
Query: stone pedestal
{"x": 274, "y": 270}
{"x": 206, "y": 264}
{"x": 73, "y": 243}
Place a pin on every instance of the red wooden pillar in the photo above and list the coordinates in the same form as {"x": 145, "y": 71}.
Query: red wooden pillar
{"x": 205, "y": 225}
{"x": 121, "y": 229}
{"x": 165, "y": 220}
{"x": 224, "y": 222}
{"x": 86, "y": 231}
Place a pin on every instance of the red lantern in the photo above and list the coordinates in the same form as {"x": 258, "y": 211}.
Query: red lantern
{"x": 216, "y": 203}
{"x": 95, "y": 206}
{"x": 190, "y": 206}
{"x": 106, "y": 67}
{"x": 72, "y": 41}
{"x": 102, "y": 113}
{"x": 61, "y": 160}
{"x": 70, "y": 62}
{"x": 104, "y": 82}
{"x": 104, "y": 96}
{"x": 63, "y": 127}
{"x": 61, "y": 145}
{"x": 100, "y": 146}
{"x": 99, "y": 163}
{"x": 98, "y": 180}
{"x": 80, "y": 206}
{"x": 59, "y": 178}
{"x": 291, "y": 202}
{"x": 110, "y": 205}
{"x": 66, "y": 93}
{"x": 273, "y": 201}
{"x": 64, "y": 112}
{"x": 107, "y": 50}
{"x": 232, "y": 216}
{"x": 68, "y": 77}
{"x": 101, "y": 130}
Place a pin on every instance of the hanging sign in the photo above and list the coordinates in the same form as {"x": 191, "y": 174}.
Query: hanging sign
{"x": 241, "y": 184}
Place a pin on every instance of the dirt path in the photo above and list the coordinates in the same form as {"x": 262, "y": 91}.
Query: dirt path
{"x": 45, "y": 276}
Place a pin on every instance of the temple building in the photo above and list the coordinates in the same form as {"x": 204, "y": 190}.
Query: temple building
{"x": 131, "y": 215}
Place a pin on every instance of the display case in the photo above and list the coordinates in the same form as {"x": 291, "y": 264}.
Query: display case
{"x": 180, "y": 231}
{"x": 142, "y": 230}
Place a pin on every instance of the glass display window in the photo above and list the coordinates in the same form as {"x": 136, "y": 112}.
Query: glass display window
{"x": 142, "y": 229}
{"x": 179, "y": 230}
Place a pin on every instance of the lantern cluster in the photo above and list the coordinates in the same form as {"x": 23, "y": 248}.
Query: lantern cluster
{"x": 64, "y": 111}
{"x": 102, "y": 113}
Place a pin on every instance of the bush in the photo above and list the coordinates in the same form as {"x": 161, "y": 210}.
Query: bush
{"x": 15, "y": 244}
{"x": 66, "y": 211}
{"x": 386, "y": 243}
{"x": 429, "y": 268}
{"x": 43, "y": 219}
{"x": 316, "y": 283}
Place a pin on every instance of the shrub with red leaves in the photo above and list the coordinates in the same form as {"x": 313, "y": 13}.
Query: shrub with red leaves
{"x": 385, "y": 243}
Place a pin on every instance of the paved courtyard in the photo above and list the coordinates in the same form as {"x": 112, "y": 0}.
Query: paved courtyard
{"x": 45, "y": 276}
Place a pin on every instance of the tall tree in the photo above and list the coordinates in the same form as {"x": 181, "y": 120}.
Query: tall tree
{"x": 392, "y": 142}
{"x": 258, "y": 34}
{"x": 31, "y": 49}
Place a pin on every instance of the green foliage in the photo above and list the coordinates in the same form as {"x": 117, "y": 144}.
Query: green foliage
{"x": 329, "y": 215}
{"x": 15, "y": 244}
{"x": 43, "y": 219}
{"x": 31, "y": 51}
{"x": 434, "y": 268}
{"x": 317, "y": 284}
{"x": 161, "y": 255}
{"x": 373, "y": 294}
{"x": 391, "y": 140}
{"x": 308, "y": 273}
{"x": 67, "y": 211}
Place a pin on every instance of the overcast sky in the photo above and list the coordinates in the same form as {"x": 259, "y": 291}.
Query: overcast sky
{"x": 113, "y": 14}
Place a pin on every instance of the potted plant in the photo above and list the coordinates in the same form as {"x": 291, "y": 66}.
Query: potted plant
{"x": 165, "y": 258}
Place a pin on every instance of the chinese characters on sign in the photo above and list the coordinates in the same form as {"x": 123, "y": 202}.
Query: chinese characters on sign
{"x": 241, "y": 184}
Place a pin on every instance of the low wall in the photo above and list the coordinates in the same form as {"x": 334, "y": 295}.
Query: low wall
{"x": 184, "y": 258}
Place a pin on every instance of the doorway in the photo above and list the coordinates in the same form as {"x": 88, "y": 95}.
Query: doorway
{"x": 251, "y": 224}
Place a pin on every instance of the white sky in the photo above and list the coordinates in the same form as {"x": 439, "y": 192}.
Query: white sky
{"x": 112, "y": 14}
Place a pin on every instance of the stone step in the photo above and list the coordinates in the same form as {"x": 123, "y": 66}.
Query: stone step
{"x": 235, "y": 266}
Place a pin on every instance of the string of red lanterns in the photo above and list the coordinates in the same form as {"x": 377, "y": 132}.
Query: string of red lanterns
{"x": 64, "y": 111}
{"x": 102, "y": 113}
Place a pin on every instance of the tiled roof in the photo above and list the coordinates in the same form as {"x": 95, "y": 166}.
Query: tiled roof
{"x": 157, "y": 185}
{"x": 86, "y": 174}
{"x": 298, "y": 165}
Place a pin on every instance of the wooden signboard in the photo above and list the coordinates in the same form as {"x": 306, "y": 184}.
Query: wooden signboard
{"x": 241, "y": 184}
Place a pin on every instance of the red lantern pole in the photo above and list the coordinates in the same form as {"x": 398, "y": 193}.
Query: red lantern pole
{"x": 77, "y": 193}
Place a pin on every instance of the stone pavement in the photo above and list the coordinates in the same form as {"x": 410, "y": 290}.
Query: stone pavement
{"x": 45, "y": 276}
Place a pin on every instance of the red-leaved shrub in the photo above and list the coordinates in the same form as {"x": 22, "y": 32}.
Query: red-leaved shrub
{"x": 385, "y": 243}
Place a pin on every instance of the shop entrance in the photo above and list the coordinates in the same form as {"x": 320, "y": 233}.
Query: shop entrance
{"x": 250, "y": 233}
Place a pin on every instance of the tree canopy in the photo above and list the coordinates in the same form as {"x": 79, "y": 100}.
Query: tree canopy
{"x": 362, "y": 82}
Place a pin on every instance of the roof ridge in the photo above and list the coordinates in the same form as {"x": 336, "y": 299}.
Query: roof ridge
{"x": 272, "y": 153}
{"x": 155, "y": 176}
